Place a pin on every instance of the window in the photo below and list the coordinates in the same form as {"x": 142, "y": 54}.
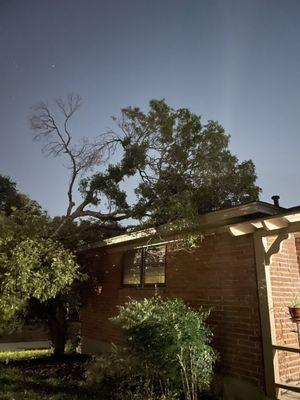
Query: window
{"x": 145, "y": 267}
{"x": 132, "y": 268}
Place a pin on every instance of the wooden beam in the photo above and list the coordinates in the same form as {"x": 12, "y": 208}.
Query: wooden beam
{"x": 275, "y": 223}
{"x": 293, "y": 217}
{"x": 266, "y": 227}
{"x": 257, "y": 224}
{"x": 241, "y": 229}
{"x": 292, "y": 228}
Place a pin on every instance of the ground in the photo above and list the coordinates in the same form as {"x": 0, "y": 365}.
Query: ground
{"x": 35, "y": 375}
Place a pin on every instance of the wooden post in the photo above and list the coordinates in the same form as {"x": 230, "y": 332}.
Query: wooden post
{"x": 266, "y": 318}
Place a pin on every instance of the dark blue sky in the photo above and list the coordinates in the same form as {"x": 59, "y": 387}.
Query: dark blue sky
{"x": 236, "y": 61}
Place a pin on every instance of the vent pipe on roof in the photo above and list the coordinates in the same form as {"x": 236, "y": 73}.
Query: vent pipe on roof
{"x": 276, "y": 198}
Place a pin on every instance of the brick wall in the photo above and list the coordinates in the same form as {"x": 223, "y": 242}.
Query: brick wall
{"x": 285, "y": 282}
{"x": 219, "y": 274}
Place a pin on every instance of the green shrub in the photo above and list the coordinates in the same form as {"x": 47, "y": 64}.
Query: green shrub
{"x": 166, "y": 351}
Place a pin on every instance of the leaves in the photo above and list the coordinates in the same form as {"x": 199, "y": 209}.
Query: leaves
{"x": 172, "y": 165}
{"x": 9, "y": 196}
{"x": 34, "y": 269}
{"x": 157, "y": 332}
{"x": 181, "y": 167}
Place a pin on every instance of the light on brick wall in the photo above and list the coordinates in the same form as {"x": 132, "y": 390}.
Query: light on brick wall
{"x": 98, "y": 290}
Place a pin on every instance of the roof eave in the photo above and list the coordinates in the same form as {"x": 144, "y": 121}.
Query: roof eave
{"x": 206, "y": 222}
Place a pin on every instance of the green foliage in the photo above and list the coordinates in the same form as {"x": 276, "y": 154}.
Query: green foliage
{"x": 8, "y": 194}
{"x": 170, "y": 329}
{"x": 166, "y": 350}
{"x": 74, "y": 234}
{"x": 33, "y": 269}
{"x": 157, "y": 167}
{"x": 21, "y": 224}
{"x": 296, "y": 301}
{"x": 181, "y": 166}
{"x": 118, "y": 376}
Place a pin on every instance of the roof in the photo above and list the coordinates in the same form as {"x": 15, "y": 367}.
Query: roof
{"x": 234, "y": 216}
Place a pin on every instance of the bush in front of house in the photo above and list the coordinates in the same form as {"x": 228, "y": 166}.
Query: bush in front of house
{"x": 166, "y": 352}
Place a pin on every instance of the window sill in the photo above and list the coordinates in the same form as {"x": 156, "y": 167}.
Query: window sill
{"x": 158, "y": 285}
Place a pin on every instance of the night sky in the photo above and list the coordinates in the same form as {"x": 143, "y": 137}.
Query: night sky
{"x": 235, "y": 61}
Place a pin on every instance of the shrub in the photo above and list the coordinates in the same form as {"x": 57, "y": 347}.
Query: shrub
{"x": 166, "y": 350}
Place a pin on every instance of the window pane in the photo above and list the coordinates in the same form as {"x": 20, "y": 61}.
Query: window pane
{"x": 154, "y": 265}
{"x": 132, "y": 268}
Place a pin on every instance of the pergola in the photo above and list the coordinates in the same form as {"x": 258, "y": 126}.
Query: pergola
{"x": 281, "y": 227}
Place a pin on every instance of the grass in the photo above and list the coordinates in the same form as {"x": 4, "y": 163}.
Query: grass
{"x": 8, "y": 356}
{"x": 36, "y": 375}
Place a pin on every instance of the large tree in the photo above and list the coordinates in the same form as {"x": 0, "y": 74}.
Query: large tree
{"x": 177, "y": 165}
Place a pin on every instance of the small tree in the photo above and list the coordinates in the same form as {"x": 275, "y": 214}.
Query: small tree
{"x": 39, "y": 269}
{"x": 34, "y": 269}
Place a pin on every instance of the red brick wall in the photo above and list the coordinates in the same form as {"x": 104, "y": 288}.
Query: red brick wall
{"x": 285, "y": 282}
{"x": 219, "y": 274}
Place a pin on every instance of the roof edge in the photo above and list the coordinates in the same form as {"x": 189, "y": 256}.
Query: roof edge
{"x": 214, "y": 219}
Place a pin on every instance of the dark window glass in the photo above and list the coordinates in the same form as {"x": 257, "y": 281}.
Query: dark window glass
{"x": 154, "y": 265}
{"x": 132, "y": 268}
{"x": 145, "y": 266}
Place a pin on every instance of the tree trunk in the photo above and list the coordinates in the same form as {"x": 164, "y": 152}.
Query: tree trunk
{"x": 58, "y": 327}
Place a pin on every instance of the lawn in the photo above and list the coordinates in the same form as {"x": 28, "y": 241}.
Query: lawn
{"x": 35, "y": 375}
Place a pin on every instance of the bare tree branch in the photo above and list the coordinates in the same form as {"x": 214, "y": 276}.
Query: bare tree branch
{"x": 54, "y": 130}
{"x": 104, "y": 217}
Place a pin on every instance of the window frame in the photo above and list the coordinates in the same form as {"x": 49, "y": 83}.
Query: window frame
{"x": 142, "y": 283}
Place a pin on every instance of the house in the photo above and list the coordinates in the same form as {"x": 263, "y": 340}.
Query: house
{"x": 245, "y": 267}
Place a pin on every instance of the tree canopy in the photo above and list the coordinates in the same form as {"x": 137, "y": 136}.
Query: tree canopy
{"x": 176, "y": 165}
